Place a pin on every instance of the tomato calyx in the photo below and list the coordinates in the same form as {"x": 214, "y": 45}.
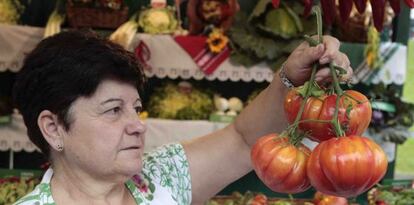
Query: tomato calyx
{"x": 312, "y": 89}
{"x": 315, "y": 90}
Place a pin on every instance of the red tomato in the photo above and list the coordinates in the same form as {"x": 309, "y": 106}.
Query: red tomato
{"x": 323, "y": 199}
{"x": 280, "y": 165}
{"x": 323, "y": 108}
{"x": 259, "y": 199}
{"x": 346, "y": 166}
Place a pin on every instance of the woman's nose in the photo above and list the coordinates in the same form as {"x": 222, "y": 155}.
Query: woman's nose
{"x": 135, "y": 125}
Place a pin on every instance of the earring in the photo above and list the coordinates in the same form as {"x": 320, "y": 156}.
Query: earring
{"x": 59, "y": 147}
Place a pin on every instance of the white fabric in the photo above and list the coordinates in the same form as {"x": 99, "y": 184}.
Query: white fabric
{"x": 168, "y": 59}
{"x": 14, "y": 136}
{"x": 393, "y": 70}
{"x": 167, "y": 131}
{"x": 15, "y": 43}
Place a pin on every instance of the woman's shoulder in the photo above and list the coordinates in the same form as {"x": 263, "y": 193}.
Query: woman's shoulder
{"x": 38, "y": 196}
{"x": 166, "y": 168}
{"x": 41, "y": 194}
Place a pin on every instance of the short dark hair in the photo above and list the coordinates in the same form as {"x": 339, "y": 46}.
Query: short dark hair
{"x": 63, "y": 68}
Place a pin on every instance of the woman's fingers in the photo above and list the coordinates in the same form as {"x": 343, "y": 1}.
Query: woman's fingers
{"x": 331, "y": 49}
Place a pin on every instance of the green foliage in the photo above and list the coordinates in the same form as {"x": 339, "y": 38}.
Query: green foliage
{"x": 392, "y": 126}
{"x": 400, "y": 197}
{"x": 170, "y": 103}
{"x": 10, "y": 11}
{"x": 13, "y": 189}
{"x": 268, "y": 35}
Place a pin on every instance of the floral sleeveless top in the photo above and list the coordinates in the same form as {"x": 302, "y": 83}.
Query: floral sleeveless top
{"x": 165, "y": 179}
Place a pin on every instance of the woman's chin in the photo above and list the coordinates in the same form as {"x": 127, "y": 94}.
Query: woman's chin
{"x": 130, "y": 169}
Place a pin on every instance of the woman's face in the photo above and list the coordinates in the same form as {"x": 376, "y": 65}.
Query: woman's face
{"x": 106, "y": 137}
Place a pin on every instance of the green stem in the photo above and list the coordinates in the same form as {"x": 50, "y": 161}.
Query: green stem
{"x": 295, "y": 138}
{"x": 308, "y": 120}
{"x": 293, "y": 130}
{"x": 339, "y": 92}
{"x": 317, "y": 11}
{"x": 353, "y": 98}
{"x": 310, "y": 40}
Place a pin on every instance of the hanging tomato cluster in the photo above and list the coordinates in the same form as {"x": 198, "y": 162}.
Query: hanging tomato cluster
{"x": 344, "y": 163}
{"x": 345, "y": 8}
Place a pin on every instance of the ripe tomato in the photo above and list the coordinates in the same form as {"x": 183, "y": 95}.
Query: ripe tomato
{"x": 323, "y": 108}
{"x": 280, "y": 165}
{"x": 324, "y": 199}
{"x": 259, "y": 199}
{"x": 346, "y": 166}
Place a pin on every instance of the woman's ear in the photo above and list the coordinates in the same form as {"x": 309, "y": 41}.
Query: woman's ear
{"x": 48, "y": 123}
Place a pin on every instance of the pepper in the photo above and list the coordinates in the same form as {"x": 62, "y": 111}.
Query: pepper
{"x": 275, "y": 3}
{"x": 328, "y": 9}
{"x": 378, "y": 11}
{"x": 345, "y": 8}
{"x": 360, "y": 5}
{"x": 395, "y": 5}
{"x": 410, "y": 3}
{"x": 307, "y": 4}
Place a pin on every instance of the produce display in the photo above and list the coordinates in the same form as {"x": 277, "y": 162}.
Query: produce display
{"x": 344, "y": 163}
{"x": 390, "y": 196}
{"x": 324, "y": 199}
{"x": 14, "y": 188}
{"x": 158, "y": 20}
{"x": 10, "y": 11}
{"x": 182, "y": 102}
{"x": 268, "y": 34}
{"x": 250, "y": 198}
{"x": 345, "y": 7}
{"x": 392, "y": 117}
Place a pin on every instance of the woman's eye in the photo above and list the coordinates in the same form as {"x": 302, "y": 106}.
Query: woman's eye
{"x": 114, "y": 110}
{"x": 138, "y": 109}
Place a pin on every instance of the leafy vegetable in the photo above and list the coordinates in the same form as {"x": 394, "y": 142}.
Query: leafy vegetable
{"x": 268, "y": 35}
{"x": 170, "y": 103}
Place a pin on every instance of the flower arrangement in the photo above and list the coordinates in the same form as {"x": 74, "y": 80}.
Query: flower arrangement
{"x": 217, "y": 41}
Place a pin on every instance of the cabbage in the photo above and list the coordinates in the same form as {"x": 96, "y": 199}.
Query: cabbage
{"x": 158, "y": 21}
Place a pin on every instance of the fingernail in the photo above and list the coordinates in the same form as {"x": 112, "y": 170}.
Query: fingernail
{"x": 324, "y": 60}
{"x": 319, "y": 48}
{"x": 318, "y": 78}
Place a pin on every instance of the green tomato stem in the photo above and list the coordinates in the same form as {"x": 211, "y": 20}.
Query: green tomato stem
{"x": 339, "y": 92}
{"x": 295, "y": 138}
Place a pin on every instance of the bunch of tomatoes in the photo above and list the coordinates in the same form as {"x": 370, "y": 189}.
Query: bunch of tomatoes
{"x": 343, "y": 164}
{"x": 339, "y": 165}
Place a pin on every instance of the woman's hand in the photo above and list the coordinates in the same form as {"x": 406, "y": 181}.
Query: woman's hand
{"x": 298, "y": 66}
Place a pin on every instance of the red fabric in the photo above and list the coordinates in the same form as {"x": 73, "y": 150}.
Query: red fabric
{"x": 196, "y": 47}
{"x": 143, "y": 55}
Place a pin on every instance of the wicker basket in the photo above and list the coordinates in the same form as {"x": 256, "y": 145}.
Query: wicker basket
{"x": 96, "y": 17}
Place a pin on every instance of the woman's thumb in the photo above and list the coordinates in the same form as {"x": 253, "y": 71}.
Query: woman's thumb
{"x": 311, "y": 54}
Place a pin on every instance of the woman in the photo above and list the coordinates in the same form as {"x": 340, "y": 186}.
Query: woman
{"x": 78, "y": 96}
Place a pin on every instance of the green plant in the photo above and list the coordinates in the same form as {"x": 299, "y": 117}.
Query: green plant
{"x": 268, "y": 34}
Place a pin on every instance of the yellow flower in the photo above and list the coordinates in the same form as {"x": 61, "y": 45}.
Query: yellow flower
{"x": 217, "y": 41}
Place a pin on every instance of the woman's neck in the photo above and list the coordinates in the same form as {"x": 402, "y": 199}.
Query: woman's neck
{"x": 74, "y": 186}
